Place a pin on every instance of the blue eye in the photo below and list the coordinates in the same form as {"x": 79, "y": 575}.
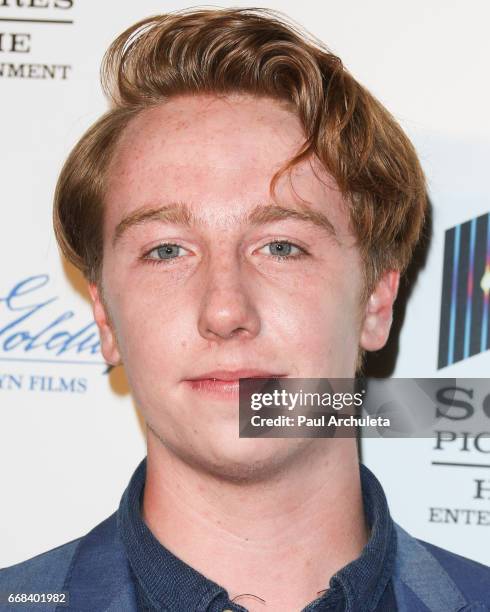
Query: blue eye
{"x": 165, "y": 252}
{"x": 282, "y": 249}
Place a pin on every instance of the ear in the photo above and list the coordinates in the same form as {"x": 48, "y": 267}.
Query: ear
{"x": 106, "y": 332}
{"x": 379, "y": 312}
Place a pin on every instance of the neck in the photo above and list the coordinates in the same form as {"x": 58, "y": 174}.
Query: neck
{"x": 280, "y": 539}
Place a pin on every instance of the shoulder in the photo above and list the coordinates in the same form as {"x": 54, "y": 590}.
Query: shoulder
{"x": 43, "y": 573}
{"x": 436, "y": 575}
{"x": 77, "y": 567}
{"x": 472, "y": 578}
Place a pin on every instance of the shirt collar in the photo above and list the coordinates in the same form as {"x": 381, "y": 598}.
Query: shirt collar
{"x": 170, "y": 583}
{"x": 167, "y": 581}
{"x": 364, "y": 580}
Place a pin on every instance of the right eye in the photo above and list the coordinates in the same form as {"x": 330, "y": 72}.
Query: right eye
{"x": 165, "y": 252}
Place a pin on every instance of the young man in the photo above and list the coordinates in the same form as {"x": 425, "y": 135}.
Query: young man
{"x": 244, "y": 209}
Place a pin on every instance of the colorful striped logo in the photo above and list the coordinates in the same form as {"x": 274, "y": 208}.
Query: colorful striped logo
{"x": 465, "y": 321}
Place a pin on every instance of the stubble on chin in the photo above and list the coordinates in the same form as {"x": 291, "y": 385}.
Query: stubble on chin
{"x": 246, "y": 472}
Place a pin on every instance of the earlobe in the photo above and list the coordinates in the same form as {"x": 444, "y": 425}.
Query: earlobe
{"x": 379, "y": 312}
{"x": 107, "y": 336}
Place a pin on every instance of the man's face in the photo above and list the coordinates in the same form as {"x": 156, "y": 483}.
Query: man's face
{"x": 203, "y": 271}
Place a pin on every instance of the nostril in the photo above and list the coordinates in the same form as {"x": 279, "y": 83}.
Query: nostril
{"x": 238, "y": 331}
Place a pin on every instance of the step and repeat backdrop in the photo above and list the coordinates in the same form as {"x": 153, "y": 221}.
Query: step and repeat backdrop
{"x": 70, "y": 436}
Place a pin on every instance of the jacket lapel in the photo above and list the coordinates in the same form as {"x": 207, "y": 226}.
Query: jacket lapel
{"x": 99, "y": 577}
{"x": 417, "y": 570}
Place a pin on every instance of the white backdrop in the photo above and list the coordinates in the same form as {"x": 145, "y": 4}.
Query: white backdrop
{"x": 63, "y": 466}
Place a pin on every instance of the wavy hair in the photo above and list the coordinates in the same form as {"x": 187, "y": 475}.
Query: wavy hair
{"x": 258, "y": 52}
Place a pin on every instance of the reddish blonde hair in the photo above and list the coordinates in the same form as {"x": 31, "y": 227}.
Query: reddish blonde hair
{"x": 253, "y": 51}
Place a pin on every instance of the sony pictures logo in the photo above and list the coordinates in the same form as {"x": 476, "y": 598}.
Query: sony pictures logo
{"x": 26, "y": 27}
{"x": 465, "y": 318}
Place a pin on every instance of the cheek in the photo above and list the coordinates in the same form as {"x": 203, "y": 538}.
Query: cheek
{"x": 319, "y": 325}
{"x": 319, "y": 320}
{"x": 150, "y": 329}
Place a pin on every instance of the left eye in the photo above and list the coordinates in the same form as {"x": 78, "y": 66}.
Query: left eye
{"x": 283, "y": 248}
{"x": 166, "y": 251}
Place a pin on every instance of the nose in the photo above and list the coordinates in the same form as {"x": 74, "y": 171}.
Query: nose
{"x": 227, "y": 306}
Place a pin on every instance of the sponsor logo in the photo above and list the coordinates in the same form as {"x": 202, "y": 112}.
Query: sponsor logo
{"x": 465, "y": 322}
{"x": 35, "y": 328}
{"x": 25, "y": 25}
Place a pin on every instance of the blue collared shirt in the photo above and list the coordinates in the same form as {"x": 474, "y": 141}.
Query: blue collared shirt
{"x": 165, "y": 582}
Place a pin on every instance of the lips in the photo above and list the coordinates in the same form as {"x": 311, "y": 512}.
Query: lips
{"x": 224, "y": 384}
{"x": 227, "y": 375}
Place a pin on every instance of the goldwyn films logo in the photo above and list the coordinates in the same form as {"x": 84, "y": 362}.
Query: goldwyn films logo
{"x": 465, "y": 320}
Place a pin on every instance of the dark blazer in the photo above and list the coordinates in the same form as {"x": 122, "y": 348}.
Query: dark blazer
{"x": 95, "y": 571}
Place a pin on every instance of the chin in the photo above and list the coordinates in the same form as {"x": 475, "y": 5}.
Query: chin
{"x": 249, "y": 460}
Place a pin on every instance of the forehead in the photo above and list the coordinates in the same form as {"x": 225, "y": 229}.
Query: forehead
{"x": 217, "y": 155}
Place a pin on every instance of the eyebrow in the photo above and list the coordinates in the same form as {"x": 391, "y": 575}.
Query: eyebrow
{"x": 180, "y": 214}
